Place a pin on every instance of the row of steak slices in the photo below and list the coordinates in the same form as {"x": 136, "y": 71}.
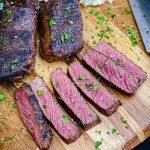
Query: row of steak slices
{"x": 61, "y": 27}
{"x": 36, "y": 101}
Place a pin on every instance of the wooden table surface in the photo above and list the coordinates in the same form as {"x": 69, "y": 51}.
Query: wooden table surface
{"x": 135, "y": 109}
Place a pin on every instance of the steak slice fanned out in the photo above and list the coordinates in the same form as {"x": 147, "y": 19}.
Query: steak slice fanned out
{"x": 66, "y": 128}
{"x": 33, "y": 117}
{"x": 128, "y": 65}
{"x": 111, "y": 71}
{"x": 17, "y": 43}
{"x": 72, "y": 100}
{"x": 91, "y": 88}
{"x": 61, "y": 29}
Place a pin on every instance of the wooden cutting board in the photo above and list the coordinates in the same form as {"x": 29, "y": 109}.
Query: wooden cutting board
{"x": 135, "y": 108}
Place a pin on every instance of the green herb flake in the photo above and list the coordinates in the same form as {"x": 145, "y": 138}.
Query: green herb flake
{"x": 92, "y": 11}
{"x": 118, "y": 62}
{"x": 88, "y": 84}
{"x": 97, "y": 144}
{"x": 132, "y": 35}
{"x": 64, "y": 118}
{"x": 68, "y": 9}
{"x": 13, "y": 67}
{"x": 65, "y": 36}
{"x": 114, "y": 130}
{"x": 99, "y": 132}
{"x": 109, "y": 12}
{"x": 71, "y": 22}
{"x": 21, "y": 130}
{"x": 45, "y": 106}
{"x": 9, "y": 12}
{"x": 2, "y": 96}
{"x": 40, "y": 92}
{"x": 4, "y": 43}
{"x": 80, "y": 123}
{"x": 95, "y": 87}
{"x": 94, "y": 42}
{"x": 15, "y": 61}
{"x": 127, "y": 10}
{"x": 7, "y": 138}
{"x": 123, "y": 120}
{"x": 81, "y": 77}
{"x": 52, "y": 21}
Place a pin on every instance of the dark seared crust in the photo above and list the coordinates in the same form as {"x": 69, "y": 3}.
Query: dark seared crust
{"x": 72, "y": 115}
{"x": 25, "y": 43}
{"x": 52, "y": 50}
{"x": 45, "y": 132}
{"x": 107, "y": 112}
{"x": 33, "y": 4}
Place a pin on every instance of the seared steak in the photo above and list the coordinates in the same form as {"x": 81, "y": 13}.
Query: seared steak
{"x": 111, "y": 71}
{"x": 17, "y": 43}
{"x": 32, "y": 116}
{"x": 61, "y": 25}
{"x": 66, "y": 128}
{"x": 125, "y": 63}
{"x": 97, "y": 94}
{"x": 33, "y": 4}
{"x": 72, "y": 100}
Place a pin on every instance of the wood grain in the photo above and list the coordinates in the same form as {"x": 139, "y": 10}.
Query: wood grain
{"x": 135, "y": 108}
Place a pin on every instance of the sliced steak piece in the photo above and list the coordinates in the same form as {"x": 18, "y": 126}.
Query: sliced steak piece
{"x": 18, "y": 43}
{"x": 33, "y": 117}
{"x": 125, "y": 63}
{"x": 72, "y": 100}
{"x": 61, "y": 26}
{"x": 97, "y": 94}
{"x": 111, "y": 71}
{"x": 66, "y": 128}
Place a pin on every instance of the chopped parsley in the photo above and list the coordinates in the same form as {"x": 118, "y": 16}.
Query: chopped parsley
{"x": 100, "y": 19}
{"x": 127, "y": 10}
{"x": 81, "y": 77}
{"x": 12, "y": 67}
{"x": 95, "y": 87}
{"x": 9, "y": 12}
{"x": 71, "y": 22}
{"x": 45, "y": 106}
{"x": 65, "y": 36}
{"x": 2, "y": 96}
{"x": 40, "y": 92}
{"x": 118, "y": 62}
{"x": 114, "y": 131}
{"x": 88, "y": 84}
{"x": 5, "y": 139}
{"x": 97, "y": 144}
{"x": 4, "y": 43}
{"x": 123, "y": 120}
{"x": 68, "y": 9}
{"x": 52, "y": 21}
{"x": 109, "y": 12}
{"x": 80, "y": 123}
{"x": 103, "y": 33}
{"x": 99, "y": 132}
{"x": 64, "y": 119}
{"x": 132, "y": 35}
{"x": 15, "y": 61}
